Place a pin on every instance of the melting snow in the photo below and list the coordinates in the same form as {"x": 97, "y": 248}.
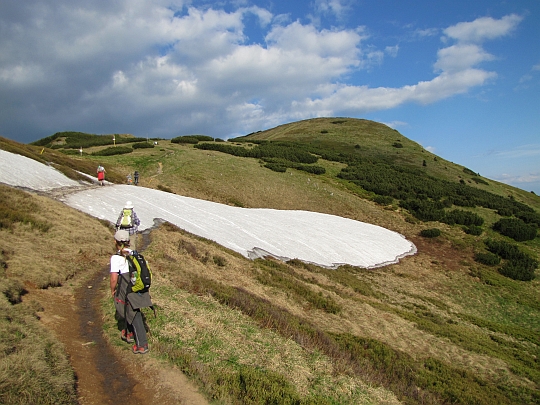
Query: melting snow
{"x": 326, "y": 240}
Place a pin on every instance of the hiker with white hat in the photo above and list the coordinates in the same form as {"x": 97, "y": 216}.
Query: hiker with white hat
{"x": 128, "y": 221}
{"x": 128, "y": 304}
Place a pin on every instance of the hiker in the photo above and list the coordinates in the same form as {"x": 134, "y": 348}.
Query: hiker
{"x": 136, "y": 177}
{"x": 128, "y": 304}
{"x": 129, "y": 221}
{"x": 129, "y": 181}
{"x": 101, "y": 175}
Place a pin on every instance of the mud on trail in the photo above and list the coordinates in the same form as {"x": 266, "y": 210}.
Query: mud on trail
{"x": 106, "y": 374}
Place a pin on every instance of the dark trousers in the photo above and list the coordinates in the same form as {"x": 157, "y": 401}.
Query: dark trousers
{"x": 138, "y": 329}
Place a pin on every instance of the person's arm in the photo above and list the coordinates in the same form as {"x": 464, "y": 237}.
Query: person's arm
{"x": 119, "y": 220}
{"x": 136, "y": 220}
{"x": 113, "y": 282}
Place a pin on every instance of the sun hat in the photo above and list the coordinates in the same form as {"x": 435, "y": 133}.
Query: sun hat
{"x": 129, "y": 204}
{"x": 121, "y": 235}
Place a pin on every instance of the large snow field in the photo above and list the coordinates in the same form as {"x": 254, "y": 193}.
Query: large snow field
{"x": 326, "y": 240}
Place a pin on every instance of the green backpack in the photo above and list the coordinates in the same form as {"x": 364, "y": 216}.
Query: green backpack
{"x": 126, "y": 218}
{"x": 139, "y": 273}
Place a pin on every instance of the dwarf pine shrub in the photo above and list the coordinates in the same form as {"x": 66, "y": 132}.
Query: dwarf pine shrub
{"x": 383, "y": 199}
{"x": 516, "y": 229}
{"x": 474, "y": 230}
{"x": 489, "y": 259}
{"x": 142, "y": 145}
{"x": 430, "y": 233}
{"x": 113, "y": 151}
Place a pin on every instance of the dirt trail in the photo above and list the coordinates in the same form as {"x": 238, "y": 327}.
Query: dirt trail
{"x": 106, "y": 374}
{"x": 103, "y": 373}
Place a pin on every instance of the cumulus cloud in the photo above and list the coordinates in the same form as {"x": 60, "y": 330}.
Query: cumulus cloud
{"x": 529, "y": 178}
{"x": 167, "y": 68}
{"x": 483, "y": 28}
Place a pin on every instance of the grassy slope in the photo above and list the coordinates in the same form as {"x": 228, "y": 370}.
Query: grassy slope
{"x": 438, "y": 320}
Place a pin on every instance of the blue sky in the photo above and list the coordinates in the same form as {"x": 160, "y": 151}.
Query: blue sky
{"x": 461, "y": 78}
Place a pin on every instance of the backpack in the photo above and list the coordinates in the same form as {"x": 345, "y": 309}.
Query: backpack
{"x": 126, "y": 218}
{"x": 139, "y": 273}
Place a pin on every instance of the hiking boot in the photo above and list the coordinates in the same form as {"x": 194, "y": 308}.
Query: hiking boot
{"x": 127, "y": 338}
{"x": 140, "y": 349}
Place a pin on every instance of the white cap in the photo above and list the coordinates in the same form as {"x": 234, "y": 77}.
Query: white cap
{"x": 121, "y": 235}
{"x": 129, "y": 204}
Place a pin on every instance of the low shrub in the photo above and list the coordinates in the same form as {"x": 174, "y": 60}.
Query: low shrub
{"x": 142, "y": 145}
{"x": 113, "y": 151}
{"x": 430, "y": 233}
{"x": 383, "y": 199}
{"x": 276, "y": 167}
{"x": 462, "y": 217}
{"x": 519, "y": 266}
{"x": 522, "y": 270}
{"x": 489, "y": 259}
{"x": 186, "y": 139}
{"x": 516, "y": 229}
{"x": 505, "y": 212}
{"x": 474, "y": 230}
{"x": 311, "y": 169}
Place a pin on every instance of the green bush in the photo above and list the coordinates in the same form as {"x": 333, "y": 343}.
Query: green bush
{"x": 113, "y": 151}
{"x": 311, "y": 169}
{"x": 516, "y": 229}
{"x": 505, "y": 212}
{"x": 186, "y": 139}
{"x": 474, "y": 230}
{"x": 142, "y": 145}
{"x": 430, "y": 233}
{"x": 519, "y": 265}
{"x": 522, "y": 270}
{"x": 276, "y": 167}
{"x": 489, "y": 259}
{"x": 462, "y": 217}
{"x": 383, "y": 199}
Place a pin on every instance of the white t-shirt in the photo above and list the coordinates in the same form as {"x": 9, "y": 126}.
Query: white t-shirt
{"x": 119, "y": 264}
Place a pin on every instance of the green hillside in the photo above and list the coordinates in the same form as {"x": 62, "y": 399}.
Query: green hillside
{"x": 459, "y": 322}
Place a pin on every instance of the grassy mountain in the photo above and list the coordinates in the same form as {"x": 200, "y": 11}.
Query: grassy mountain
{"x": 447, "y": 325}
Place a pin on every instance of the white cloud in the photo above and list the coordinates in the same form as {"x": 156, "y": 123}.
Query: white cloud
{"x": 396, "y": 124}
{"x": 459, "y": 57}
{"x": 163, "y": 69}
{"x": 337, "y": 8}
{"x": 392, "y": 50}
{"x": 520, "y": 152}
{"x": 483, "y": 28}
{"x": 518, "y": 179}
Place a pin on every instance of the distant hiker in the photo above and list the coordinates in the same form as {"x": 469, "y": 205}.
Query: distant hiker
{"x": 128, "y": 304}
{"x": 129, "y": 221}
{"x": 136, "y": 177}
{"x": 129, "y": 180}
{"x": 101, "y": 175}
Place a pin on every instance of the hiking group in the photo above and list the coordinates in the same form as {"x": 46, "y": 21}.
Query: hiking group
{"x": 130, "y": 280}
